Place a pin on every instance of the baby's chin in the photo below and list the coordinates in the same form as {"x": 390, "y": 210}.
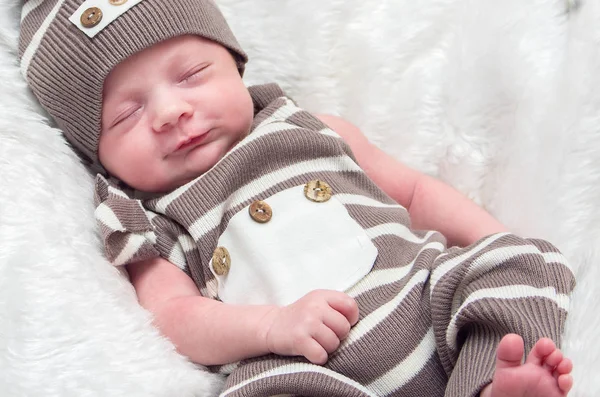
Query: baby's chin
{"x": 152, "y": 187}
{"x": 185, "y": 174}
{"x": 203, "y": 158}
{"x": 152, "y": 182}
{"x": 176, "y": 173}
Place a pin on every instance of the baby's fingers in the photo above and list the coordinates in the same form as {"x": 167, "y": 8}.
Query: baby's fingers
{"x": 337, "y": 322}
{"x": 313, "y": 351}
{"x": 327, "y": 338}
{"x": 346, "y": 305}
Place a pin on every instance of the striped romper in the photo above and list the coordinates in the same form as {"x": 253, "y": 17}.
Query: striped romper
{"x": 287, "y": 211}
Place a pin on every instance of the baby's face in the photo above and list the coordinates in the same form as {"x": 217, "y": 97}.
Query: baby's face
{"x": 171, "y": 112}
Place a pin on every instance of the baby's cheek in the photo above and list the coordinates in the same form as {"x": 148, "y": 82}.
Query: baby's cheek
{"x": 244, "y": 111}
{"x": 132, "y": 163}
{"x": 145, "y": 174}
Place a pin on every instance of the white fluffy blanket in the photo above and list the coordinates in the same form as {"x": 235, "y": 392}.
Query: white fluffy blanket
{"x": 501, "y": 99}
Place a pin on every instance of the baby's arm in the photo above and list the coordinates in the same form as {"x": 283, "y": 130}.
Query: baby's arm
{"x": 209, "y": 332}
{"x": 431, "y": 203}
{"x": 206, "y": 331}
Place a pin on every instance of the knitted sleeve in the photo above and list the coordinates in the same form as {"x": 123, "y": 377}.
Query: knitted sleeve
{"x": 501, "y": 284}
{"x": 130, "y": 232}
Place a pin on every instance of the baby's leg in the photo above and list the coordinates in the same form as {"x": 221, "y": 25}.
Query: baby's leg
{"x": 546, "y": 373}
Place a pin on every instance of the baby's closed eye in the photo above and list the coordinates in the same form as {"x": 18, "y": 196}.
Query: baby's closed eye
{"x": 194, "y": 73}
{"x": 125, "y": 115}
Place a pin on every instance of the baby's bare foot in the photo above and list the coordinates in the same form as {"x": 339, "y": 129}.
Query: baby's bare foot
{"x": 546, "y": 373}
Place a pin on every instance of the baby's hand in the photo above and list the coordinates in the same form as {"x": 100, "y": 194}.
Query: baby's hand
{"x": 312, "y": 327}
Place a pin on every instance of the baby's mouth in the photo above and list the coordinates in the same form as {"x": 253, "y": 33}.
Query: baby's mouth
{"x": 193, "y": 141}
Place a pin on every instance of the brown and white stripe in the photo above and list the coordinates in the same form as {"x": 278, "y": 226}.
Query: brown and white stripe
{"x": 430, "y": 318}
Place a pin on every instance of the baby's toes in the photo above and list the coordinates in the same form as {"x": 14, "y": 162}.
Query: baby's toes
{"x": 538, "y": 354}
{"x": 565, "y": 383}
{"x": 564, "y": 367}
{"x": 554, "y": 359}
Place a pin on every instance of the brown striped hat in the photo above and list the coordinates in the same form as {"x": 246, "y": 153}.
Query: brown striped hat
{"x": 68, "y": 47}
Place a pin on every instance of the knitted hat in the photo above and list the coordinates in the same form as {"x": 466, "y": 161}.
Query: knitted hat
{"x": 68, "y": 47}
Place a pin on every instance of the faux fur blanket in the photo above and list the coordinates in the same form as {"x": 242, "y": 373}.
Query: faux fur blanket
{"x": 497, "y": 98}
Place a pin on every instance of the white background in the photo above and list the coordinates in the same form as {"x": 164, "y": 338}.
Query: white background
{"x": 501, "y": 99}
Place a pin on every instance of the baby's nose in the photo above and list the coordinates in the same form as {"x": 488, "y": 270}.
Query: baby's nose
{"x": 170, "y": 114}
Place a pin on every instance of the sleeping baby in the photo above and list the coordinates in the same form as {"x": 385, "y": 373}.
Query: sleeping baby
{"x": 279, "y": 247}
